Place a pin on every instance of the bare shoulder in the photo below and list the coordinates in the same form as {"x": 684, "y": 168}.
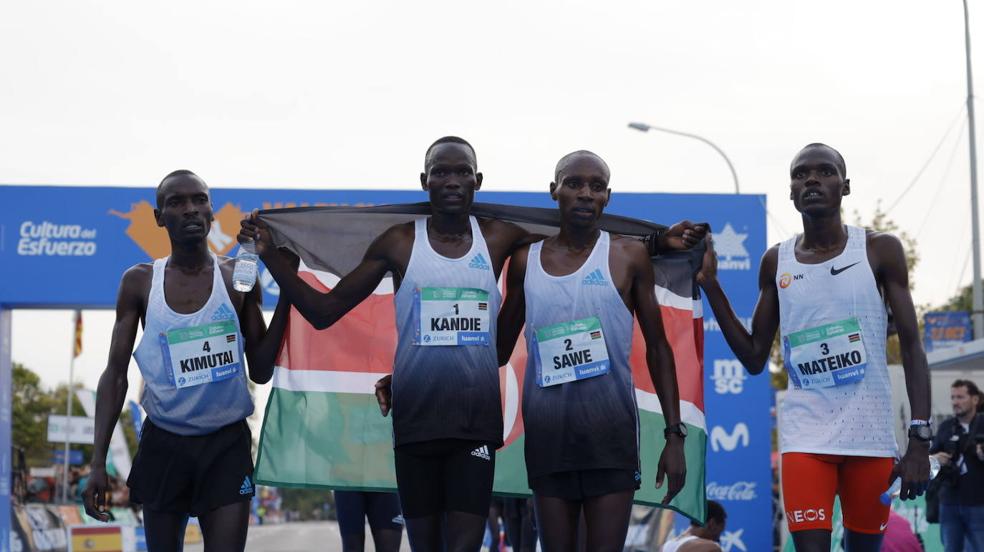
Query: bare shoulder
{"x": 495, "y": 228}
{"x": 629, "y": 249}
{"x": 135, "y": 283}
{"x": 138, "y": 275}
{"x": 883, "y": 241}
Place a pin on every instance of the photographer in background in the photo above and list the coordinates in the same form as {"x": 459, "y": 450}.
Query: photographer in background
{"x": 958, "y": 446}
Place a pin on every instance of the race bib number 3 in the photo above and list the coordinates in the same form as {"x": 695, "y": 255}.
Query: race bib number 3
{"x": 826, "y": 356}
{"x": 452, "y": 316}
{"x": 202, "y": 354}
{"x": 571, "y": 351}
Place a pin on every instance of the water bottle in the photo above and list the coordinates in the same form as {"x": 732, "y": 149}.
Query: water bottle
{"x": 244, "y": 273}
{"x": 893, "y": 490}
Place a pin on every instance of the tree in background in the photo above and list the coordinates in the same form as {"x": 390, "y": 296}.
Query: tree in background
{"x": 31, "y": 406}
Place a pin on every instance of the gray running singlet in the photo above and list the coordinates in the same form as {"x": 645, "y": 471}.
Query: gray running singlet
{"x": 192, "y": 364}
{"x": 588, "y": 423}
{"x": 446, "y": 370}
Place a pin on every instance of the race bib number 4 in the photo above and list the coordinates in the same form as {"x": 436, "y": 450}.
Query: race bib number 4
{"x": 202, "y": 354}
{"x": 571, "y": 351}
{"x": 826, "y": 356}
{"x": 452, "y": 316}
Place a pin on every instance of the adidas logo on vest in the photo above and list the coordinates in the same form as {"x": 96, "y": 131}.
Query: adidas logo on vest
{"x": 223, "y": 313}
{"x": 247, "y": 486}
{"x": 482, "y": 452}
{"x": 596, "y": 278}
{"x": 478, "y": 261}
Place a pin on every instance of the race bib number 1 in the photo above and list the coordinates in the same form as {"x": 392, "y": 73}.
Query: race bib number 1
{"x": 571, "y": 351}
{"x": 202, "y": 354}
{"x": 452, "y": 316}
{"x": 826, "y": 356}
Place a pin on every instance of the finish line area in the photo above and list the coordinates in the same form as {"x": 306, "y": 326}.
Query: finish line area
{"x": 67, "y": 247}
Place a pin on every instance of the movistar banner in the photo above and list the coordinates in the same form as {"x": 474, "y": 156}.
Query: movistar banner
{"x": 68, "y": 247}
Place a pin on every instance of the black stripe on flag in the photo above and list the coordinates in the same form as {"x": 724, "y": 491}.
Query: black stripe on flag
{"x": 230, "y": 338}
{"x": 854, "y": 337}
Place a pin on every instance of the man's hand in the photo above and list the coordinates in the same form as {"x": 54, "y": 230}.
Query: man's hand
{"x": 673, "y": 464}
{"x": 709, "y": 267}
{"x": 682, "y": 235}
{"x": 943, "y": 458}
{"x": 384, "y": 393}
{"x": 96, "y": 495}
{"x": 252, "y": 228}
{"x": 913, "y": 469}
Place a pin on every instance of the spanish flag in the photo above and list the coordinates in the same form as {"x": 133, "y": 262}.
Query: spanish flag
{"x": 97, "y": 539}
{"x": 77, "y": 349}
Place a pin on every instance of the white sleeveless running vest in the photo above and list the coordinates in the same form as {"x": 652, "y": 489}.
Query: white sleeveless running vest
{"x": 447, "y": 391}
{"x": 589, "y": 423}
{"x": 675, "y": 544}
{"x": 198, "y": 409}
{"x": 855, "y": 417}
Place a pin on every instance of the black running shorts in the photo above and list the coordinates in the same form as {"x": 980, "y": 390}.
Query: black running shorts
{"x": 355, "y": 507}
{"x": 581, "y": 484}
{"x": 192, "y": 474}
{"x": 446, "y": 475}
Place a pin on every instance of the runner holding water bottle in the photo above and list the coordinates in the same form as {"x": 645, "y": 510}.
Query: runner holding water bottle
{"x": 825, "y": 291}
{"x": 194, "y": 454}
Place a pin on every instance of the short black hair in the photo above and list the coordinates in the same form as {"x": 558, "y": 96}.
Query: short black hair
{"x": 170, "y": 175}
{"x": 714, "y": 512}
{"x": 567, "y": 158}
{"x": 449, "y": 140}
{"x": 841, "y": 164}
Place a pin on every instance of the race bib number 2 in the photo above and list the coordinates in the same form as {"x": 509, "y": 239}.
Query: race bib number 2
{"x": 571, "y": 351}
{"x": 202, "y": 354}
{"x": 830, "y": 355}
{"x": 452, "y": 316}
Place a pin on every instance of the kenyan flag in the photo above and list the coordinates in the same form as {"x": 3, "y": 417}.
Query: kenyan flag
{"x": 322, "y": 426}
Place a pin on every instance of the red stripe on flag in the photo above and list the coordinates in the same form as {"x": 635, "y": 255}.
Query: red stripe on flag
{"x": 687, "y": 344}
{"x": 364, "y": 340}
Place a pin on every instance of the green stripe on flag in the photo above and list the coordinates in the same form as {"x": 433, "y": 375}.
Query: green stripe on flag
{"x": 340, "y": 441}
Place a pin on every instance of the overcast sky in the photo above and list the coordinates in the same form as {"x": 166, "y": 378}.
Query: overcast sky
{"x": 349, "y": 94}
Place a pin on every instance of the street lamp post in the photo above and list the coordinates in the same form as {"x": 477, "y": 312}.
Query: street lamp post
{"x": 977, "y": 313}
{"x": 643, "y": 127}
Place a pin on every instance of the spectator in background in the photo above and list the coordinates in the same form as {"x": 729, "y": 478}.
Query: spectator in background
{"x": 701, "y": 538}
{"x": 958, "y": 447}
{"x": 899, "y": 536}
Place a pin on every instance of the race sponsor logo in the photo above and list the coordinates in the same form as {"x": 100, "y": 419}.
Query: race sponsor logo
{"x": 730, "y": 247}
{"x": 806, "y": 516}
{"x": 728, "y": 376}
{"x": 786, "y": 279}
{"x": 743, "y": 491}
{"x": 153, "y": 240}
{"x": 45, "y": 238}
{"x": 482, "y": 452}
{"x": 731, "y": 540}
{"x": 723, "y": 440}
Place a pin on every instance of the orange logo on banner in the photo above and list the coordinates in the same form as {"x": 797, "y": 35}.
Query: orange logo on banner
{"x": 143, "y": 229}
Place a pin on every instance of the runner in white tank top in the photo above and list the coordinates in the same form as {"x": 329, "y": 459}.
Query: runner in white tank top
{"x": 576, "y": 293}
{"x": 194, "y": 455}
{"x": 824, "y": 291}
{"x": 429, "y": 491}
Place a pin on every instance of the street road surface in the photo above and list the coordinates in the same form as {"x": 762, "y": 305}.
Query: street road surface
{"x": 311, "y": 536}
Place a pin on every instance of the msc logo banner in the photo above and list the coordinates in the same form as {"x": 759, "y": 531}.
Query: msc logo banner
{"x": 722, "y": 440}
{"x": 728, "y": 376}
